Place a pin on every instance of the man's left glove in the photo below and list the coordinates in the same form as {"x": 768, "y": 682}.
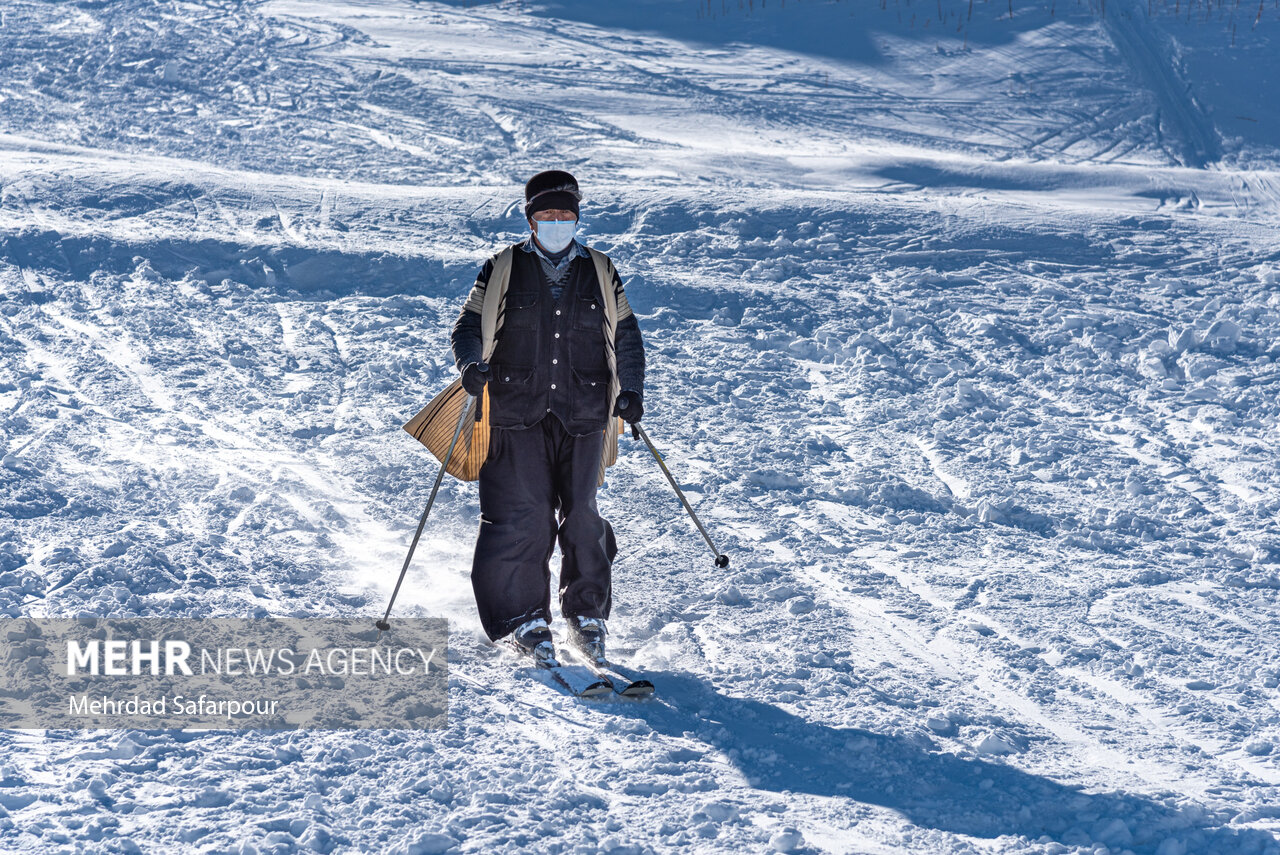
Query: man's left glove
{"x": 629, "y": 407}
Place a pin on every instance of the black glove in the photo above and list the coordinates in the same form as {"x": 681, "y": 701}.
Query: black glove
{"x": 474, "y": 376}
{"x": 629, "y": 407}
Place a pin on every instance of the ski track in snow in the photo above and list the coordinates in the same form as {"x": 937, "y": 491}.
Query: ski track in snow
{"x": 969, "y": 371}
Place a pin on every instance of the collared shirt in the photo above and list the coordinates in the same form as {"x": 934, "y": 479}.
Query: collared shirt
{"x": 576, "y": 250}
{"x": 557, "y": 272}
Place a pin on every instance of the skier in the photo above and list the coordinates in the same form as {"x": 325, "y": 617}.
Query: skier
{"x": 549, "y": 383}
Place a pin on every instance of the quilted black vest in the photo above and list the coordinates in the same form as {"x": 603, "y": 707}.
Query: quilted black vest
{"x": 550, "y": 355}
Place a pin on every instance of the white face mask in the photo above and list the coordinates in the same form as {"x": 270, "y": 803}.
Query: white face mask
{"x": 555, "y": 235}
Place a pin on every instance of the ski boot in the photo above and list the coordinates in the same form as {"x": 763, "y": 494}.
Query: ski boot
{"x": 533, "y": 638}
{"x": 587, "y": 635}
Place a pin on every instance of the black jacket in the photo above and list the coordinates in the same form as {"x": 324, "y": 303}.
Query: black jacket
{"x": 550, "y": 356}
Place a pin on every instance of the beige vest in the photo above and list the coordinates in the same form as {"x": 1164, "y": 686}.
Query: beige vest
{"x": 435, "y": 424}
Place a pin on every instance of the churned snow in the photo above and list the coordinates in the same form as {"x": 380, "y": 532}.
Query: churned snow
{"x": 964, "y": 340}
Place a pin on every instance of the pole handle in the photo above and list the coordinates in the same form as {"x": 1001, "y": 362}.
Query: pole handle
{"x": 483, "y": 368}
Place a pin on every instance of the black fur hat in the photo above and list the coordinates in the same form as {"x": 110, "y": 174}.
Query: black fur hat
{"x": 551, "y": 189}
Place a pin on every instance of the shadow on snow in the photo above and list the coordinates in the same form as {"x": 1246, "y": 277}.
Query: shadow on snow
{"x": 782, "y": 752}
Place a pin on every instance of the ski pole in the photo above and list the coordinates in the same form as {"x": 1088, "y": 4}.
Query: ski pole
{"x": 722, "y": 560}
{"x": 383, "y": 625}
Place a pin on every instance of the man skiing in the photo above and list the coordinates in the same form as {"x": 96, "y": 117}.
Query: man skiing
{"x": 549, "y": 381}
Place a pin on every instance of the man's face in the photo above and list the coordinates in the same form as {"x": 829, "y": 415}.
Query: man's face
{"x": 558, "y": 214}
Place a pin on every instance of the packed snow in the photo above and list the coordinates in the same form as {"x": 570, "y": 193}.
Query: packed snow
{"x": 964, "y": 340}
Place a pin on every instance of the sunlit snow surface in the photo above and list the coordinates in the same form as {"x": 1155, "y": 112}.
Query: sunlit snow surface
{"x": 964, "y": 344}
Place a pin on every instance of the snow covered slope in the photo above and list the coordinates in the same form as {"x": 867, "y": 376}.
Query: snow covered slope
{"x": 963, "y": 340}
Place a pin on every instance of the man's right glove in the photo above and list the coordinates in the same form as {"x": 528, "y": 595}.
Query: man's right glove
{"x": 474, "y": 376}
{"x": 629, "y": 408}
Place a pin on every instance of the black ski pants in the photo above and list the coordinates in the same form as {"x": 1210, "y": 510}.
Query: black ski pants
{"x": 538, "y": 485}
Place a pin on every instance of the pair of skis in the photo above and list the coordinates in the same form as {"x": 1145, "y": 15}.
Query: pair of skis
{"x": 589, "y": 678}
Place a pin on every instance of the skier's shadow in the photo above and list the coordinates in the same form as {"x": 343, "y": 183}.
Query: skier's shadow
{"x": 778, "y": 751}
